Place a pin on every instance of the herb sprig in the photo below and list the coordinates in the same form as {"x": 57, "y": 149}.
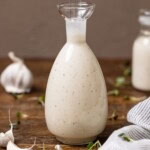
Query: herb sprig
{"x": 92, "y": 145}
{"x": 114, "y": 116}
{"x": 18, "y": 117}
{"x": 127, "y": 71}
{"x": 134, "y": 99}
{"x": 125, "y": 137}
{"x": 39, "y": 99}
{"x": 121, "y": 81}
{"x": 17, "y": 96}
{"x": 114, "y": 92}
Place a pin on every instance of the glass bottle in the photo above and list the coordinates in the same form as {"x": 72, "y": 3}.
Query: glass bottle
{"x": 76, "y": 100}
{"x": 141, "y": 54}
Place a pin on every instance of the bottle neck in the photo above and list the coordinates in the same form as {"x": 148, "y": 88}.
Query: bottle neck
{"x": 145, "y": 30}
{"x": 76, "y": 31}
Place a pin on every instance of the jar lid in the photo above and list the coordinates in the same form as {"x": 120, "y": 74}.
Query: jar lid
{"x": 144, "y": 17}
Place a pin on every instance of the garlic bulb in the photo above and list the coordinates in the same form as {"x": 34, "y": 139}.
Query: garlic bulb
{"x": 16, "y": 78}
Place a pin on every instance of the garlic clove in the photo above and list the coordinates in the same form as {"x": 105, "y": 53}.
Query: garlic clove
{"x": 16, "y": 78}
{"x": 58, "y": 147}
{"x": 12, "y": 146}
{"x": 6, "y": 137}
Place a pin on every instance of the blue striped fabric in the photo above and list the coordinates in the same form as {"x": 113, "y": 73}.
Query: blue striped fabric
{"x": 140, "y": 114}
{"x": 137, "y": 134}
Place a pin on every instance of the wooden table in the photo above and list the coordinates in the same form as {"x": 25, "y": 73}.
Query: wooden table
{"x": 34, "y": 125}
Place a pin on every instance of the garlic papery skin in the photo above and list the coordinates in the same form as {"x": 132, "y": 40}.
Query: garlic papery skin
{"x": 16, "y": 78}
{"x": 12, "y": 146}
{"x": 6, "y": 137}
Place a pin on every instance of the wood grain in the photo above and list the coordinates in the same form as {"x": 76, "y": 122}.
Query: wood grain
{"x": 34, "y": 125}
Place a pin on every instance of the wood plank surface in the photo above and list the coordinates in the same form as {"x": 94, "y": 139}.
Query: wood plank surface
{"x": 34, "y": 124}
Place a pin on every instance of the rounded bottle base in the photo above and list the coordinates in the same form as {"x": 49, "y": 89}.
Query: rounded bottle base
{"x": 75, "y": 141}
{"x": 141, "y": 88}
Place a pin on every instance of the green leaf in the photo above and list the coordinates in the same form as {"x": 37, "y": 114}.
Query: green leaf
{"x": 18, "y": 117}
{"x": 127, "y": 71}
{"x": 114, "y": 92}
{"x": 41, "y": 100}
{"x": 18, "y": 96}
{"x": 120, "y": 81}
{"x": 134, "y": 99}
{"x": 125, "y": 138}
{"x": 92, "y": 145}
{"x": 114, "y": 116}
{"x": 121, "y": 134}
{"x": 126, "y": 97}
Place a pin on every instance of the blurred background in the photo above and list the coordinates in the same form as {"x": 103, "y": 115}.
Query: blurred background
{"x": 34, "y": 29}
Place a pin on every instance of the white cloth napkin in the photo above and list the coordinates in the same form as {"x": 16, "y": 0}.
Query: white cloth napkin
{"x": 132, "y": 137}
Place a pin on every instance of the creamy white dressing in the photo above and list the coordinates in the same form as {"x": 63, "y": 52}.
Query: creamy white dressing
{"x": 141, "y": 63}
{"x": 76, "y": 100}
